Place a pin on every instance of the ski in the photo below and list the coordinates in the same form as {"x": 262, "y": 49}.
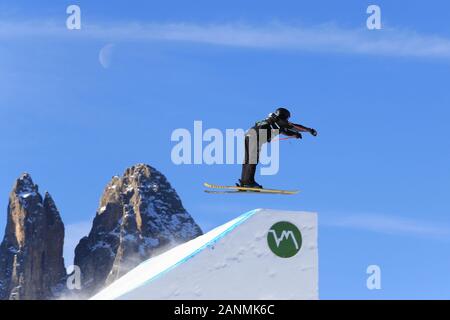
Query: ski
{"x": 225, "y": 191}
{"x": 236, "y": 189}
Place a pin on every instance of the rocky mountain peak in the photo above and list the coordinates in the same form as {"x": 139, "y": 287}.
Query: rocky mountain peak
{"x": 139, "y": 215}
{"x": 31, "y": 253}
{"x": 24, "y": 181}
{"x": 24, "y": 187}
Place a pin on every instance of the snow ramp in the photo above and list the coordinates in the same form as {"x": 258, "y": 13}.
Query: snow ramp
{"x": 262, "y": 254}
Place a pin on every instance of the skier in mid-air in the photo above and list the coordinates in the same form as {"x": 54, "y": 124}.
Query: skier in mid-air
{"x": 262, "y": 132}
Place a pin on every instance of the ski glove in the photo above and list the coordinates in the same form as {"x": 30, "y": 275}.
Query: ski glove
{"x": 313, "y": 132}
{"x": 298, "y": 135}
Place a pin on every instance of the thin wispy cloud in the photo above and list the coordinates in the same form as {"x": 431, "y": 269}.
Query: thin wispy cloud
{"x": 274, "y": 36}
{"x": 390, "y": 225}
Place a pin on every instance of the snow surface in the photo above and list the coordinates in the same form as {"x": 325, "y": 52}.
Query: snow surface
{"x": 232, "y": 261}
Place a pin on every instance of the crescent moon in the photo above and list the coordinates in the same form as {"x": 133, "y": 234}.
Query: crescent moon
{"x": 105, "y": 55}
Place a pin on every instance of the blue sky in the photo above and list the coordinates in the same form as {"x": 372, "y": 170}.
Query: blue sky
{"x": 377, "y": 174}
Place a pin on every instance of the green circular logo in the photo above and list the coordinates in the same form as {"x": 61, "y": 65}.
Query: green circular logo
{"x": 284, "y": 239}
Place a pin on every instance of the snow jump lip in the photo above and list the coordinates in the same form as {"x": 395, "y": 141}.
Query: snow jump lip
{"x": 234, "y": 223}
{"x": 252, "y": 263}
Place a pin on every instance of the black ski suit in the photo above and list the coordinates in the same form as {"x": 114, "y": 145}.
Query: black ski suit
{"x": 262, "y": 132}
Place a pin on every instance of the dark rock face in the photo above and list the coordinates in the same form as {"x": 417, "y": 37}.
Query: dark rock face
{"x": 31, "y": 254}
{"x": 140, "y": 215}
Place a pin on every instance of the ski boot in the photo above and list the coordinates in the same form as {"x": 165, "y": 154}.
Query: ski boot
{"x": 253, "y": 184}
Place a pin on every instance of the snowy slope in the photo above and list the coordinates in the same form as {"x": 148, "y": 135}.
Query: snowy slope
{"x": 233, "y": 261}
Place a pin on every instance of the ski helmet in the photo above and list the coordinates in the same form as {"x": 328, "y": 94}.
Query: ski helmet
{"x": 283, "y": 113}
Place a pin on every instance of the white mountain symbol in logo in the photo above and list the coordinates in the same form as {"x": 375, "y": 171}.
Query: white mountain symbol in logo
{"x": 285, "y": 234}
